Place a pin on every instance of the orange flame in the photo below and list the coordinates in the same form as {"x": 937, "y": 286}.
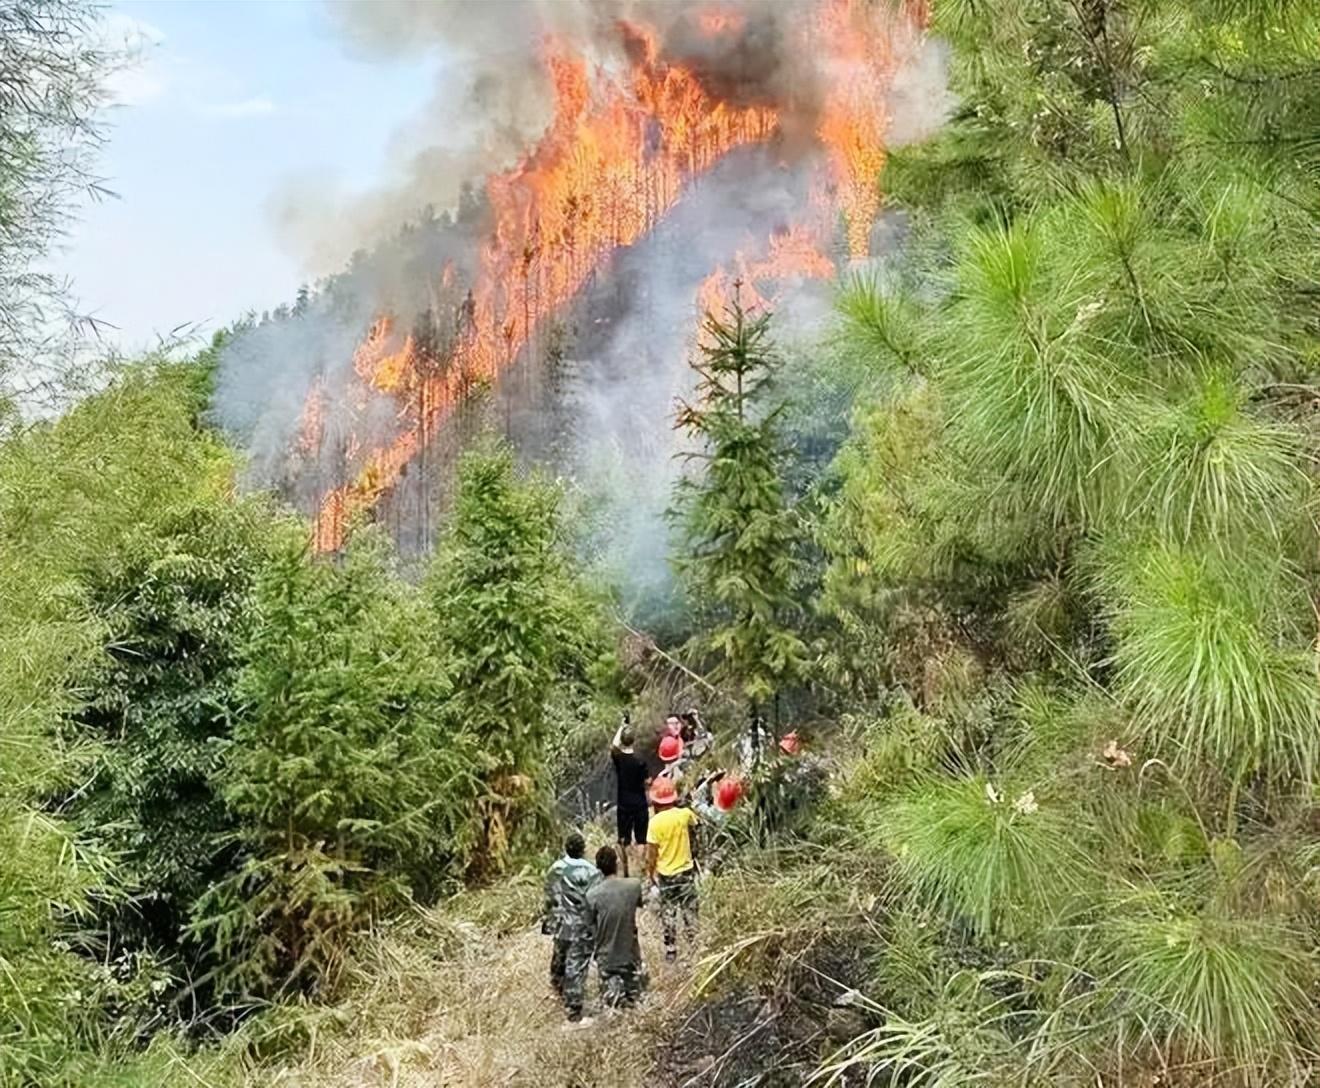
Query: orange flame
{"x": 380, "y": 368}
{"x": 793, "y": 256}
{"x": 614, "y": 159}
{"x": 311, "y": 424}
{"x": 612, "y": 162}
{"x": 853, "y": 119}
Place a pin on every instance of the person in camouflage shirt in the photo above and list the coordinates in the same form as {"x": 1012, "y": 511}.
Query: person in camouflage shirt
{"x": 568, "y": 920}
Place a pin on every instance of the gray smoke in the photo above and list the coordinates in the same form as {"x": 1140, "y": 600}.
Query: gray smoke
{"x": 627, "y": 452}
{"x": 493, "y": 99}
{"x": 919, "y": 100}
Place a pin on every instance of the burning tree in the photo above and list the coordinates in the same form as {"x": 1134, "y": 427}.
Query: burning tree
{"x": 645, "y": 108}
{"x": 738, "y": 532}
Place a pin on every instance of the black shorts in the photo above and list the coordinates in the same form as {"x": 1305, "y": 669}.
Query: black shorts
{"x": 632, "y": 824}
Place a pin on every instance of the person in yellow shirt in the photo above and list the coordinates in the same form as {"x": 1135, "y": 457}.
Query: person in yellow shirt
{"x": 671, "y": 864}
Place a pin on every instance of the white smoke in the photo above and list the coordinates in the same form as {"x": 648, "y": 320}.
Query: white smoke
{"x": 627, "y": 449}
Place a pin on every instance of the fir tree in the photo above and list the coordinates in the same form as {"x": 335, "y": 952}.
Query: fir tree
{"x": 738, "y": 533}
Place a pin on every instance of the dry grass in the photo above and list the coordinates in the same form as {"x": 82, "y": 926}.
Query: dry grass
{"x": 450, "y": 1004}
{"x": 459, "y": 997}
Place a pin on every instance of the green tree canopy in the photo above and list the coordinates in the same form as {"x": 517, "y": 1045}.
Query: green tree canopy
{"x": 1083, "y": 496}
{"x": 738, "y": 535}
{"x": 350, "y": 778}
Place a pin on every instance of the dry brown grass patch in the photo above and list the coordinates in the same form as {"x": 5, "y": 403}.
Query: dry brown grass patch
{"x": 449, "y": 1004}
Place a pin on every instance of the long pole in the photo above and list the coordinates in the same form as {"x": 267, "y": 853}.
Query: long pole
{"x": 650, "y": 642}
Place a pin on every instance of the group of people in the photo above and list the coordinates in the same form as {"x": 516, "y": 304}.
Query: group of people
{"x": 591, "y": 909}
{"x": 591, "y": 912}
{"x": 683, "y": 740}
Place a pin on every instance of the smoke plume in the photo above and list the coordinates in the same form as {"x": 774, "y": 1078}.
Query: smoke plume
{"x": 486, "y": 259}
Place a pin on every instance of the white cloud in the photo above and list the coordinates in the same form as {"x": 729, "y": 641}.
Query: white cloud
{"x": 139, "y": 78}
{"x": 134, "y": 86}
{"x": 257, "y": 106}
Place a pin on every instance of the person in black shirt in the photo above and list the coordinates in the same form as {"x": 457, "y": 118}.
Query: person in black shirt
{"x": 633, "y": 779}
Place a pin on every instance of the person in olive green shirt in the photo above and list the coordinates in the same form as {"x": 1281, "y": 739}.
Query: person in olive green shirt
{"x": 671, "y": 864}
{"x": 613, "y": 905}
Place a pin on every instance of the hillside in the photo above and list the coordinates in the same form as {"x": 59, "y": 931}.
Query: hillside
{"x": 996, "y": 588}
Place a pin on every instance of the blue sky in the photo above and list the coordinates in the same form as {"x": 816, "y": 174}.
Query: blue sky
{"x": 230, "y": 102}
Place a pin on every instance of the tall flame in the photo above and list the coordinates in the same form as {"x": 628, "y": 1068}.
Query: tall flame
{"x": 853, "y": 120}
{"x": 793, "y": 255}
{"x": 615, "y": 158}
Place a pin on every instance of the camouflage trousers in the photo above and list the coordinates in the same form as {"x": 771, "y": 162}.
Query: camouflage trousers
{"x": 570, "y": 963}
{"x": 620, "y": 986}
{"x": 678, "y": 903}
{"x": 558, "y": 957}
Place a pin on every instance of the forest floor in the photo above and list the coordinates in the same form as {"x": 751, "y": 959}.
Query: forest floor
{"x": 477, "y": 1011}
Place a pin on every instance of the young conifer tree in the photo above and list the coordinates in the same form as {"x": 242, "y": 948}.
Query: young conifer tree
{"x": 514, "y": 623}
{"x": 738, "y": 534}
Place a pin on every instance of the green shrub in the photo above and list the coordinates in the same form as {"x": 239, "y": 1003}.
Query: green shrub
{"x": 348, "y": 775}
{"x": 1210, "y": 659}
{"x": 965, "y": 1040}
{"x": 175, "y": 597}
{"x": 1209, "y": 986}
{"x": 1217, "y": 472}
{"x": 892, "y": 753}
{"x": 991, "y": 855}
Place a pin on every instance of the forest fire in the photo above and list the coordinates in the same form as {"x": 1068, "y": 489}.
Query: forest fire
{"x": 793, "y": 256}
{"x": 621, "y": 149}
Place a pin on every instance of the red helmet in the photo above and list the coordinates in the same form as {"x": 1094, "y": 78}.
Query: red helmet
{"x": 789, "y": 743}
{"x": 671, "y": 748}
{"x": 728, "y": 793}
{"x": 663, "y": 792}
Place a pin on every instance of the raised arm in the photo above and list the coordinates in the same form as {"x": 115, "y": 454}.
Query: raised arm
{"x": 617, "y": 743}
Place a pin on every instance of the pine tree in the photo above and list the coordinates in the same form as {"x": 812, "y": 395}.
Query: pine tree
{"x": 738, "y": 533}
{"x": 1089, "y": 470}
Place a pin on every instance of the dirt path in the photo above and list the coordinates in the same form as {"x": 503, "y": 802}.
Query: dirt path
{"x": 487, "y": 1017}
